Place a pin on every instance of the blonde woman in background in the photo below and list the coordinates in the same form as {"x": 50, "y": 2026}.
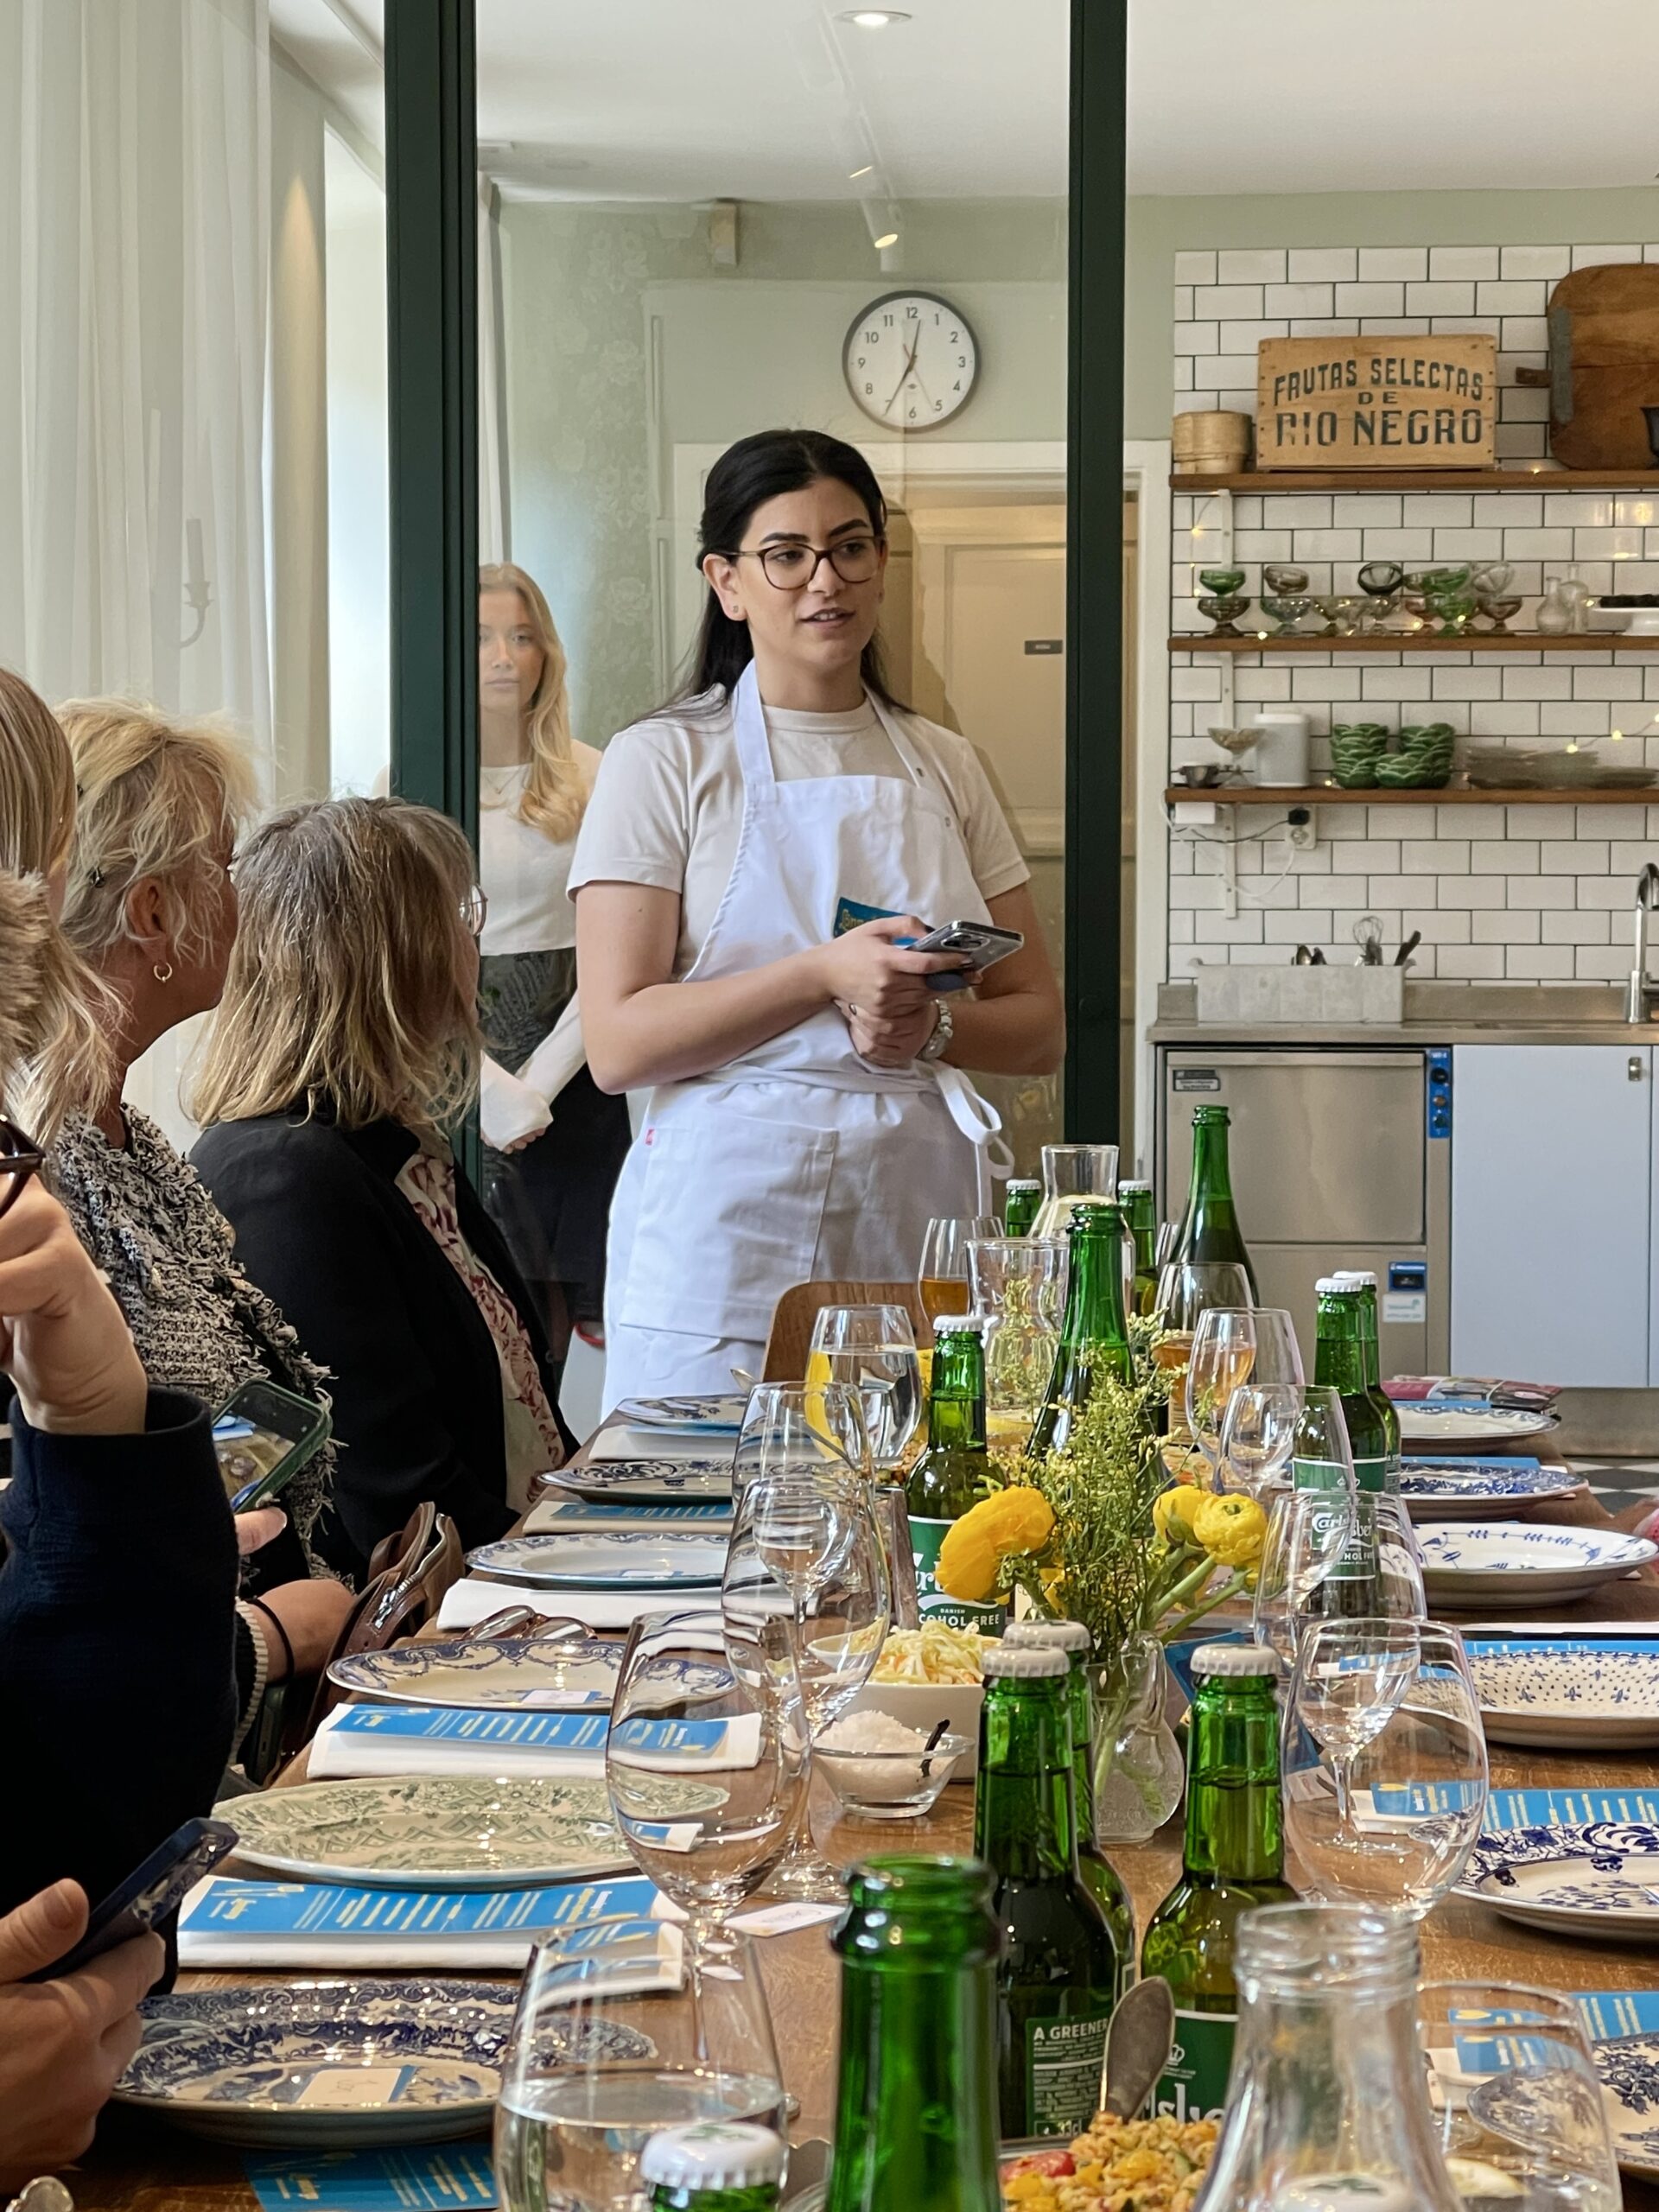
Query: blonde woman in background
{"x": 346, "y": 1041}
{"x": 550, "y": 1195}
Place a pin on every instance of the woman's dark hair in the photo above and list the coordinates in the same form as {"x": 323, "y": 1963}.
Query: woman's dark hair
{"x": 746, "y": 475}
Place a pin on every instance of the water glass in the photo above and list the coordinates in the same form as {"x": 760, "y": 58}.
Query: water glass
{"x": 1385, "y": 1778}
{"x": 942, "y": 1272}
{"x": 801, "y": 1428}
{"x": 602, "y": 2055}
{"x": 1258, "y": 1435}
{"x": 872, "y": 1348}
{"x": 708, "y": 1834}
{"x": 1018, "y": 1284}
{"x": 1513, "y": 2086}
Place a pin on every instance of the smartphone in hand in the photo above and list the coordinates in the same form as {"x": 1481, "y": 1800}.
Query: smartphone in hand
{"x": 149, "y": 1895}
{"x": 263, "y": 1436}
{"x": 982, "y": 943}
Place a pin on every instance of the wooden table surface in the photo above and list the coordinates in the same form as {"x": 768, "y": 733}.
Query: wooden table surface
{"x": 138, "y": 2165}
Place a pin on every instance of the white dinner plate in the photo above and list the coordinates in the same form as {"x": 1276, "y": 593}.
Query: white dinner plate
{"x": 1569, "y": 1697}
{"x": 631, "y": 1558}
{"x": 1467, "y": 1428}
{"x": 646, "y": 1482}
{"x": 1628, "y": 2067}
{"x": 1499, "y": 1565}
{"x": 1599, "y": 1881}
{"x": 711, "y": 1413}
{"x": 576, "y": 1675}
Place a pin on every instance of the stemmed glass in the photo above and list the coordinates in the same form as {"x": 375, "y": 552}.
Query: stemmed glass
{"x": 1018, "y": 1283}
{"x": 806, "y": 1568}
{"x": 1308, "y": 1530}
{"x": 706, "y": 1827}
{"x": 1258, "y": 1434}
{"x": 1513, "y": 2086}
{"x": 614, "y": 2037}
{"x": 1187, "y": 1289}
{"x": 872, "y": 1348}
{"x": 1385, "y": 1778}
{"x": 942, "y": 1272}
{"x": 1223, "y": 1356}
{"x": 788, "y": 1426}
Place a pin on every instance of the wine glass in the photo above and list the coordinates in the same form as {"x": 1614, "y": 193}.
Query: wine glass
{"x": 623, "y": 2029}
{"x": 1513, "y": 2085}
{"x": 1187, "y": 1289}
{"x": 1074, "y": 1174}
{"x": 1385, "y": 1778}
{"x": 1278, "y": 1355}
{"x": 1258, "y": 1434}
{"x": 1309, "y": 1529}
{"x": 872, "y": 1348}
{"x": 1222, "y": 1357}
{"x": 1018, "y": 1283}
{"x": 942, "y": 1274}
{"x": 708, "y": 1831}
{"x": 801, "y": 1428}
{"x": 806, "y": 1563}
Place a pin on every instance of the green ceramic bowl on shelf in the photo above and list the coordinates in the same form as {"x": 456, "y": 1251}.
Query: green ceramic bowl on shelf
{"x": 1357, "y": 748}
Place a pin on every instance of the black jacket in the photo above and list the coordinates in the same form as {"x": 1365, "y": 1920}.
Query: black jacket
{"x": 322, "y": 1225}
{"x": 117, "y": 1704}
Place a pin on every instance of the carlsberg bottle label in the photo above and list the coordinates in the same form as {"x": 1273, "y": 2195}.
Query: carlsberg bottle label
{"x": 1193, "y": 2086}
{"x": 935, "y": 1604}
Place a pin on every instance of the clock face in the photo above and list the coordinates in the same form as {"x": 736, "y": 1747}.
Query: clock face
{"x": 910, "y": 360}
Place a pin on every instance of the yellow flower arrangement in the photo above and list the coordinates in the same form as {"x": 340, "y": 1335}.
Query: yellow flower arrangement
{"x": 1018, "y": 1520}
{"x": 1174, "y": 1513}
{"x": 1231, "y": 1529}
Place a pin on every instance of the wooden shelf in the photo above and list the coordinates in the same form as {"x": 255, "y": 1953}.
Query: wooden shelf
{"x": 1425, "y": 480}
{"x": 1420, "y": 641}
{"x": 1286, "y": 795}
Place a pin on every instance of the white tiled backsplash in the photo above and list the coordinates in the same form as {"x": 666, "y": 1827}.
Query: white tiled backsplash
{"x": 1526, "y": 894}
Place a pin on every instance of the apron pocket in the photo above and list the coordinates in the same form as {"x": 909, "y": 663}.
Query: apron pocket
{"x": 728, "y": 1218}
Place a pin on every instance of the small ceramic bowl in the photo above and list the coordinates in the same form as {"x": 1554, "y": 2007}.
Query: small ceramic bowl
{"x": 890, "y": 1785}
{"x": 1224, "y": 583}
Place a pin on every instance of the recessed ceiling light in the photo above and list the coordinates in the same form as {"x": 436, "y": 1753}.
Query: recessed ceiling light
{"x": 886, "y": 238}
{"x": 873, "y": 19}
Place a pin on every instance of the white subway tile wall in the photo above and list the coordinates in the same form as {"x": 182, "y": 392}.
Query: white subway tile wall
{"x": 1534, "y": 895}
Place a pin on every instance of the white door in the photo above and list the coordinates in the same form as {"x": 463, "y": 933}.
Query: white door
{"x": 1551, "y": 1190}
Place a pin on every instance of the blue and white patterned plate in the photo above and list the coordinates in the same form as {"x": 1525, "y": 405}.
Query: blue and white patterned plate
{"x": 1443, "y": 1427}
{"x": 1449, "y": 1492}
{"x": 715, "y": 1413}
{"x": 1498, "y": 1564}
{"x": 1628, "y": 2067}
{"x": 578, "y": 1676}
{"x": 1601, "y": 1880}
{"x": 619, "y": 1559}
{"x": 1567, "y": 1696}
{"x": 341, "y": 2064}
{"x": 646, "y": 1482}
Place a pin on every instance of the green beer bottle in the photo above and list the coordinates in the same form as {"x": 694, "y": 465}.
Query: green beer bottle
{"x": 716, "y": 2165}
{"x": 1058, "y": 1979}
{"x": 1233, "y": 1860}
{"x": 1019, "y": 1208}
{"x": 1141, "y": 1216}
{"x": 1364, "y": 1283}
{"x": 1343, "y": 1362}
{"x": 1093, "y": 1337}
{"x": 1100, "y": 1877}
{"x": 952, "y": 1474}
{"x": 1210, "y": 1227}
{"x": 915, "y": 2128}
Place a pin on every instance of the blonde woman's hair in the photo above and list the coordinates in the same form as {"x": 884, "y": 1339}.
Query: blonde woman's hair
{"x": 61, "y": 1017}
{"x": 343, "y": 996}
{"x": 555, "y": 794}
{"x": 154, "y": 798}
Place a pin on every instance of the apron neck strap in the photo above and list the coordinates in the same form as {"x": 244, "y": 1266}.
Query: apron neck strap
{"x": 754, "y": 751}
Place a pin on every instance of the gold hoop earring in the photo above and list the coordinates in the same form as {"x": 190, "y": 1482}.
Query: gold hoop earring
{"x": 162, "y": 971}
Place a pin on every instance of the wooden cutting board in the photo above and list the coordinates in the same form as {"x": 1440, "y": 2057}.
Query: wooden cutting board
{"x": 1604, "y": 365}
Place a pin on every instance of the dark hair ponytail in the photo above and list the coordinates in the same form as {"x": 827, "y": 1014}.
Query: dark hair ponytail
{"x": 756, "y": 469}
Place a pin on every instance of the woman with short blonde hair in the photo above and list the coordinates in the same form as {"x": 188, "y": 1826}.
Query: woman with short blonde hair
{"x": 346, "y": 1039}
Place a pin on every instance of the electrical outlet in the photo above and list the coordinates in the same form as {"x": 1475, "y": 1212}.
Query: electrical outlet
{"x": 1299, "y": 834}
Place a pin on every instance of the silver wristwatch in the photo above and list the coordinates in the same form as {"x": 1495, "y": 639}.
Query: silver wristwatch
{"x": 945, "y": 1028}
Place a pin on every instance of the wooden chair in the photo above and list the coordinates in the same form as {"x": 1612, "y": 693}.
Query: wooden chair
{"x": 792, "y": 1317}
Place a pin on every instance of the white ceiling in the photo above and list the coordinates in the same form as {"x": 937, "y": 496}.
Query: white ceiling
{"x": 691, "y": 100}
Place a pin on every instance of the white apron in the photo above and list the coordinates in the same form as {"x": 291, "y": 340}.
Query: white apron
{"x": 800, "y": 1159}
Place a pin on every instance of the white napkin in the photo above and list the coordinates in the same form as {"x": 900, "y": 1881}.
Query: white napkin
{"x": 474, "y": 1599}
{"x": 624, "y": 1443}
{"x": 1556, "y": 1631}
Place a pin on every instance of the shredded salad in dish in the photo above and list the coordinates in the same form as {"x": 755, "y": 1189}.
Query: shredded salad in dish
{"x": 933, "y": 1654}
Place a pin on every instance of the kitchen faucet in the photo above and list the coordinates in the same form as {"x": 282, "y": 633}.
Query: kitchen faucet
{"x": 1639, "y": 999}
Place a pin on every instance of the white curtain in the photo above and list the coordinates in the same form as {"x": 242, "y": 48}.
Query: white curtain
{"x": 134, "y": 266}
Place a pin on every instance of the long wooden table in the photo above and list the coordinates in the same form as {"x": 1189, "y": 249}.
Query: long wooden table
{"x": 138, "y": 2165}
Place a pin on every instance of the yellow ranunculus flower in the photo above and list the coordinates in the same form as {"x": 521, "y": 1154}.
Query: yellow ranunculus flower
{"x": 1231, "y": 1529}
{"x": 1017, "y": 1520}
{"x": 1174, "y": 1513}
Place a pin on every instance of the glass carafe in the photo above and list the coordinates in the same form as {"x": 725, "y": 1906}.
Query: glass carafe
{"x": 1074, "y": 1174}
{"x": 1327, "y": 2105}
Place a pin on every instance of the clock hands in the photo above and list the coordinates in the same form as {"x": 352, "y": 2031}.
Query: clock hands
{"x": 905, "y": 373}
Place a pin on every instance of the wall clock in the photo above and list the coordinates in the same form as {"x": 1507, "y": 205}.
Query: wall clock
{"x": 910, "y": 360}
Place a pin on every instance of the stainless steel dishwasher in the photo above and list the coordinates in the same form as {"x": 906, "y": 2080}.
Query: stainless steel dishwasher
{"x": 1340, "y": 1159}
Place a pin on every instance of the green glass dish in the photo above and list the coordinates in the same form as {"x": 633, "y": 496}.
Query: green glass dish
{"x": 1222, "y": 582}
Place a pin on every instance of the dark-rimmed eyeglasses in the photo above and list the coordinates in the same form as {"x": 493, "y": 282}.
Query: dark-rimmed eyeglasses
{"x": 20, "y": 1158}
{"x": 791, "y": 568}
{"x": 475, "y": 909}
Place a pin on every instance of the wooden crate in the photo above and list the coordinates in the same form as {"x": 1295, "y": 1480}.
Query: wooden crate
{"x": 1375, "y": 403}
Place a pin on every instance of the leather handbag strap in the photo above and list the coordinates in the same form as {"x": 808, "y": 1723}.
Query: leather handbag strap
{"x": 426, "y": 1558}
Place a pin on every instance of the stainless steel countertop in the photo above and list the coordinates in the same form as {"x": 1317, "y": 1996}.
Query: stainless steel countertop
{"x": 1435, "y": 1014}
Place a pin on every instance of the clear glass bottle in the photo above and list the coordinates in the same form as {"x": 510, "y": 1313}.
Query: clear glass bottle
{"x": 716, "y": 2165}
{"x": 1327, "y": 2106}
{"x": 915, "y": 2125}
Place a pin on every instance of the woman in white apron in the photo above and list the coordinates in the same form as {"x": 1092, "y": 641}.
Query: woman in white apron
{"x": 807, "y": 1114}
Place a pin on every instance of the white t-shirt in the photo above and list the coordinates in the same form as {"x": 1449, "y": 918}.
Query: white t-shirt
{"x": 524, "y": 874}
{"x": 668, "y": 805}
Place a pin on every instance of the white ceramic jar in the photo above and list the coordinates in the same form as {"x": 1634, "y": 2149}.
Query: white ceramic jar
{"x": 1281, "y": 750}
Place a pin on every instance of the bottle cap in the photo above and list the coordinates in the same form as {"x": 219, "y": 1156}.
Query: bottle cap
{"x": 712, "y": 2154}
{"x": 1235, "y": 1660}
{"x": 1024, "y": 1183}
{"x": 1023, "y": 1663}
{"x": 957, "y": 1325}
{"x": 1334, "y": 1285}
{"x": 1132, "y": 1185}
{"x": 1054, "y": 1635}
